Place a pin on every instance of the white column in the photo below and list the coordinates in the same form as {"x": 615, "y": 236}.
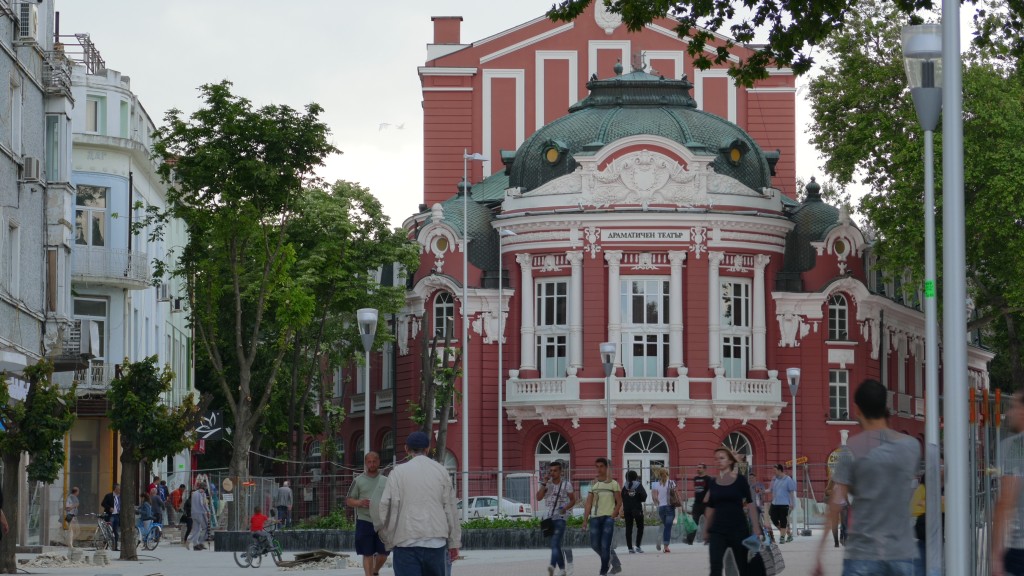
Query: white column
{"x": 760, "y": 331}
{"x": 675, "y": 310}
{"x": 575, "y": 311}
{"x": 527, "y": 343}
{"x": 614, "y": 258}
{"x": 714, "y": 310}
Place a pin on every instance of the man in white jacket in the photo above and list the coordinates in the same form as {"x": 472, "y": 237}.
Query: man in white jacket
{"x": 418, "y": 516}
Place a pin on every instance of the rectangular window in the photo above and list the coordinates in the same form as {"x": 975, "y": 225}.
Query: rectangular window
{"x": 838, "y": 395}
{"x": 735, "y": 326}
{"x": 16, "y": 108}
{"x": 644, "y": 308}
{"x": 13, "y": 259}
{"x": 124, "y": 119}
{"x": 551, "y": 303}
{"x": 552, "y": 327}
{"x": 95, "y": 310}
{"x": 95, "y": 114}
{"x": 54, "y": 145}
{"x": 362, "y": 378}
{"x": 91, "y": 215}
{"x": 552, "y": 353}
{"x": 385, "y": 366}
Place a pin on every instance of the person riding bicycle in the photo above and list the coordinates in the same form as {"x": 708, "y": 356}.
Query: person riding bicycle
{"x": 145, "y": 512}
{"x": 257, "y": 524}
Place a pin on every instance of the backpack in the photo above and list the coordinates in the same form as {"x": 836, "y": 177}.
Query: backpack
{"x": 186, "y": 506}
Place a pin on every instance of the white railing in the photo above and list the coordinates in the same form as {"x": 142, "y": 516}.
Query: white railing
{"x": 95, "y": 376}
{"x": 919, "y": 407}
{"x": 903, "y": 403}
{"x": 358, "y": 402}
{"x": 542, "y": 390}
{"x": 110, "y": 265}
{"x": 747, "y": 390}
{"x": 384, "y": 399}
{"x": 656, "y": 389}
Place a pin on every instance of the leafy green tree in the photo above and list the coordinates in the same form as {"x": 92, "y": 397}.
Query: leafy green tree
{"x": 780, "y": 34}
{"x": 438, "y": 372}
{"x": 35, "y": 426}
{"x": 236, "y": 174}
{"x": 149, "y": 430}
{"x": 866, "y": 129}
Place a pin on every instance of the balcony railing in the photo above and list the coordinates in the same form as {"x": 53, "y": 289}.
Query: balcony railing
{"x": 95, "y": 377}
{"x": 543, "y": 390}
{"x": 111, "y": 266}
{"x": 746, "y": 390}
{"x": 650, "y": 389}
{"x": 903, "y": 402}
{"x": 919, "y": 407}
{"x": 384, "y": 399}
{"x": 358, "y": 403}
{"x": 57, "y": 72}
{"x": 74, "y": 351}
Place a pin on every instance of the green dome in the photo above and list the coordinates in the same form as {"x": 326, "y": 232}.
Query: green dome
{"x": 637, "y": 104}
{"x": 813, "y": 218}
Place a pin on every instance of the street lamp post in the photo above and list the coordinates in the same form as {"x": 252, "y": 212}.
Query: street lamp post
{"x": 922, "y": 54}
{"x": 793, "y": 377}
{"x": 367, "y": 319}
{"x": 502, "y": 232}
{"x": 608, "y": 350}
{"x": 466, "y": 157}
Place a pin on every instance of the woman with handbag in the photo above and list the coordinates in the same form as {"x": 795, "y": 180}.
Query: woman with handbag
{"x": 667, "y": 499}
{"x": 729, "y": 506}
{"x": 558, "y": 496}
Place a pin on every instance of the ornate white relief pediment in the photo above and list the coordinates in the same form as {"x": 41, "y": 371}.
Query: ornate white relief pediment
{"x": 605, "y": 19}
{"x": 568, "y": 184}
{"x": 793, "y": 328}
{"x": 722, "y": 184}
{"x": 644, "y": 178}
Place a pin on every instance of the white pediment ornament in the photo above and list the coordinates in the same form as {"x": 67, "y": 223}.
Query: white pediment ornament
{"x": 605, "y": 18}
{"x": 645, "y": 178}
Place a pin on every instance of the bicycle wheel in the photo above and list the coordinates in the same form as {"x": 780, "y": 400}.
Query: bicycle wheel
{"x": 255, "y": 555}
{"x": 152, "y": 540}
{"x": 242, "y": 558}
{"x": 276, "y": 551}
{"x": 99, "y": 541}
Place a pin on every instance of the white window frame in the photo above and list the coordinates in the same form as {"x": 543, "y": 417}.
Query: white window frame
{"x": 552, "y": 446}
{"x": 448, "y": 306}
{"x": 13, "y": 245}
{"x": 551, "y": 326}
{"x": 95, "y": 114}
{"x": 838, "y": 395}
{"x": 387, "y": 351}
{"x": 735, "y": 330}
{"x": 838, "y": 318}
{"x": 640, "y": 333}
{"x": 89, "y": 213}
{"x": 16, "y": 108}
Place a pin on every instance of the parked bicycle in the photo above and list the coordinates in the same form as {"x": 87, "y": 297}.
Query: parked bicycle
{"x": 103, "y": 538}
{"x": 150, "y": 539}
{"x": 252, "y": 555}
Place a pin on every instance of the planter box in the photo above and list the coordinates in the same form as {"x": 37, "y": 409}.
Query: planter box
{"x": 291, "y": 540}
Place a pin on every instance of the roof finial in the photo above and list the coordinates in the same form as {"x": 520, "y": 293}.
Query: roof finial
{"x": 639, "y": 61}
{"x": 618, "y": 67}
{"x": 813, "y": 191}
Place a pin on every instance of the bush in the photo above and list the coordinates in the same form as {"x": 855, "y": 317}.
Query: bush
{"x": 337, "y": 519}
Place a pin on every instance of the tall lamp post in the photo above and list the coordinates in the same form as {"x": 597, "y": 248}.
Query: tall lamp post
{"x": 922, "y": 56}
{"x": 466, "y": 157}
{"x": 502, "y": 232}
{"x": 608, "y": 361}
{"x": 793, "y": 378}
{"x": 367, "y": 319}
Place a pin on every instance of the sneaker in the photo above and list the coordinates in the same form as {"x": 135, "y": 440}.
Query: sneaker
{"x": 639, "y": 550}
{"x": 631, "y": 551}
{"x": 789, "y": 538}
{"x": 551, "y": 571}
{"x": 615, "y": 570}
{"x": 667, "y": 551}
{"x": 658, "y": 545}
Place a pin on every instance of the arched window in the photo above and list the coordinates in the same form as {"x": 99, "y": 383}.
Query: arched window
{"x": 740, "y": 446}
{"x": 357, "y": 451}
{"x": 644, "y": 451}
{"x": 552, "y": 446}
{"x": 387, "y": 448}
{"x": 444, "y": 314}
{"x": 838, "y": 318}
{"x": 339, "y": 451}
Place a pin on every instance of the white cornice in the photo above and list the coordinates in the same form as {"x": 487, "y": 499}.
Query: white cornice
{"x": 512, "y": 30}
{"x": 441, "y": 71}
{"x": 520, "y": 45}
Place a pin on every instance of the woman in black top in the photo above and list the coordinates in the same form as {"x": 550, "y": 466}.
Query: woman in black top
{"x": 633, "y": 498}
{"x": 729, "y": 506}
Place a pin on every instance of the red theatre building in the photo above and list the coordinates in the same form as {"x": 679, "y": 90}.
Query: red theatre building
{"x": 654, "y": 207}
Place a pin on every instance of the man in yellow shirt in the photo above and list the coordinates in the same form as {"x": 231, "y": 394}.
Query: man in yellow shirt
{"x": 604, "y": 504}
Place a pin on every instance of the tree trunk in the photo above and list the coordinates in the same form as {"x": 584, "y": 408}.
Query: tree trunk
{"x": 8, "y": 563}
{"x": 238, "y": 469}
{"x": 129, "y": 500}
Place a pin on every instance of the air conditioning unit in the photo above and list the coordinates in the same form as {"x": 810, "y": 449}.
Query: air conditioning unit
{"x": 28, "y": 21}
{"x": 163, "y": 292}
{"x": 177, "y": 305}
{"x": 32, "y": 171}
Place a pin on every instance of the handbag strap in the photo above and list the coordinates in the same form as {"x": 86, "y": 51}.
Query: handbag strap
{"x": 558, "y": 494}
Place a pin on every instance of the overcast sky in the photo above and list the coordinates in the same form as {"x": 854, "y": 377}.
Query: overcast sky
{"x": 356, "y": 59}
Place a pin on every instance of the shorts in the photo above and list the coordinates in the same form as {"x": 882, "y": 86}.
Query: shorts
{"x": 779, "y": 515}
{"x": 367, "y": 541}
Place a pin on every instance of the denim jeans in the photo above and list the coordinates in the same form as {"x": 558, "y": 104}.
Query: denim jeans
{"x": 667, "y": 515}
{"x": 1013, "y": 562}
{"x": 878, "y": 567}
{"x": 557, "y": 558}
{"x": 420, "y": 561}
{"x": 602, "y": 529}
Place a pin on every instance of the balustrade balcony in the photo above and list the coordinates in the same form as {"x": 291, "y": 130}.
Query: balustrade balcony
{"x": 110, "y": 266}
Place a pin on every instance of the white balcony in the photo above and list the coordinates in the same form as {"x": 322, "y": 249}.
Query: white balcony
{"x": 384, "y": 400}
{"x": 358, "y": 403}
{"x": 650, "y": 389}
{"x": 747, "y": 390}
{"x": 95, "y": 377}
{"x": 903, "y": 402}
{"x": 537, "y": 390}
{"x": 110, "y": 266}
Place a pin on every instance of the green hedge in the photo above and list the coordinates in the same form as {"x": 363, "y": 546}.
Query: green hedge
{"x": 338, "y": 519}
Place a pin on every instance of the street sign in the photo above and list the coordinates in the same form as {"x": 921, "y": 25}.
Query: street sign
{"x": 799, "y": 461}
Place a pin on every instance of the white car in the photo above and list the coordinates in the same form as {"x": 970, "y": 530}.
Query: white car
{"x": 487, "y": 507}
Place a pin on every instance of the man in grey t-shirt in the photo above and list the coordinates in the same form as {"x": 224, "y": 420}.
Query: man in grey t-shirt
{"x": 877, "y": 467}
{"x": 1008, "y": 536}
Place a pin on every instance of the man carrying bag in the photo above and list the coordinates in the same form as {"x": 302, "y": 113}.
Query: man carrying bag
{"x": 558, "y": 496}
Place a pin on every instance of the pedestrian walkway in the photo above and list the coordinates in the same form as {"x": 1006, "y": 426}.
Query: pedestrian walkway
{"x": 684, "y": 560}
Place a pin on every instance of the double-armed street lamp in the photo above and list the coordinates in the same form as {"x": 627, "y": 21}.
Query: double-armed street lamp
{"x": 466, "y": 157}
{"x": 608, "y": 350}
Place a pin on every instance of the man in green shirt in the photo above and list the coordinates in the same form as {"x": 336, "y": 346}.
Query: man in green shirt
{"x": 368, "y": 543}
{"x": 604, "y": 504}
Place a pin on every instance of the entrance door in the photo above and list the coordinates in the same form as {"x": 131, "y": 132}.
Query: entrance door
{"x": 644, "y": 451}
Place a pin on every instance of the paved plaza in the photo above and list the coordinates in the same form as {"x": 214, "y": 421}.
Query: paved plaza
{"x": 684, "y": 560}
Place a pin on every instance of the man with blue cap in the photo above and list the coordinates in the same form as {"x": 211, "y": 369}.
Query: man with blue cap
{"x": 419, "y": 520}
